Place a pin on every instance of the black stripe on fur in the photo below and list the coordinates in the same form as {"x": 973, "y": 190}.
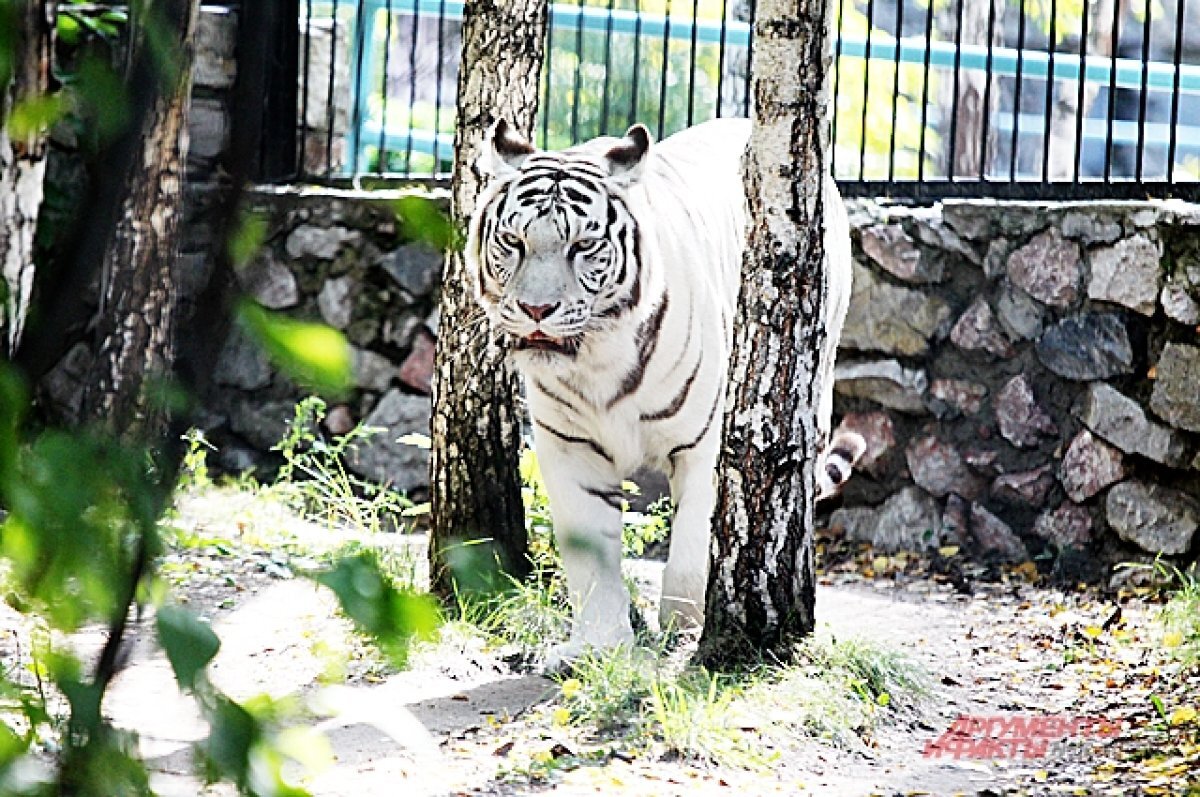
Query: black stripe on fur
{"x": 583, "y": 441}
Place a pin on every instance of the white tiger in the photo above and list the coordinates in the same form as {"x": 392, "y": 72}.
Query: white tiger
{"x": 614, "y": 269}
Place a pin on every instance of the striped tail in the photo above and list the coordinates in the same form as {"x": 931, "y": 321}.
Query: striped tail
{"x": 838, "y": 461}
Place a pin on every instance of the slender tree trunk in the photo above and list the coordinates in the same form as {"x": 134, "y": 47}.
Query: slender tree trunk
{"x": 761, "y": 583}
{"x": 475, "y": 487}
{"x": 1066, "y": 109}
{"x": 22, "y": 160}
{"x": 735, "y": 69}
{"x": 135, "y": 325}
{"x": 964, "y": 128}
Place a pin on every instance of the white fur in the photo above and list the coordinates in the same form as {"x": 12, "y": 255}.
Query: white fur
{"x": 687, "y": 196}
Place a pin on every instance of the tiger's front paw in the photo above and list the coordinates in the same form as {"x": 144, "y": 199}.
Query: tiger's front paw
{"x": 562, "y": 658}
{"x": 680, "y": 614}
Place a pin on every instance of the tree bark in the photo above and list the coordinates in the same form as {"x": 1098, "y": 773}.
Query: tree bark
{"x": 761, "y": 584}
{"x": 22, "y": 161}
{"x": 475, "y": 487}
{"x": 735, "y": 68}
{"x": 135, "y": 324}
{"x": 963, "y": 130}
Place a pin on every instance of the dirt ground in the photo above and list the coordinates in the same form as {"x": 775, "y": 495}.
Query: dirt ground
{"x": 460, "y": 721}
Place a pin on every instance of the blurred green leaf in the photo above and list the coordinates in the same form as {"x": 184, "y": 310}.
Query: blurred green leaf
{"x": 69, "y": 31}
{"x": 368, "y": 598}
{"x": 247, "y": 745}
{"x": 79, "y": 508}
{"x": 248, "y": 238}
{"x": 101, "y": 97}
{"x": 315, "y": 355}
{"x": 189, "y": 643}
{"x": 12, "y": 747}
{"x": 233, "y": 731}
{"x": 34, "y": 115}
{"x": 423, "y": 221}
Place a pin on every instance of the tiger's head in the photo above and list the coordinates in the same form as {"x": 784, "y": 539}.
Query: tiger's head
{"x": 553, "y": 251}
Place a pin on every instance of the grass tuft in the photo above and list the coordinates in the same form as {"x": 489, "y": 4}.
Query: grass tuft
{"x": 1181, "y": 619}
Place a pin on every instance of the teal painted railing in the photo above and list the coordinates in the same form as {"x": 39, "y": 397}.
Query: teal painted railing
{"x": 366, "y": 131}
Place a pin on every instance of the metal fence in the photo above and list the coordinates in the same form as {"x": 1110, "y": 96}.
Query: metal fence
{"x": 1017, "y": 98}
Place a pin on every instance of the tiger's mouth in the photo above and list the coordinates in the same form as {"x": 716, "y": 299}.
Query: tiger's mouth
{"x": 540, "y": 341}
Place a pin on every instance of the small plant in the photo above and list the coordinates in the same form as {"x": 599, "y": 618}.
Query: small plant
{"x": 839, "y": 690}
{"x": 1181, "y": 619}
{"x": 531, "y": 616}
{"x": 608, "y": 690}
{"x": 194, "y": 468}
{"x": 692, "y": 717}
{"x": 314, "y": 479}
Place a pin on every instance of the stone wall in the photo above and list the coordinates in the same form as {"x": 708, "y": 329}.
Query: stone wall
{"x": 1027, "y": 376}
{"x": 340, "y": 257}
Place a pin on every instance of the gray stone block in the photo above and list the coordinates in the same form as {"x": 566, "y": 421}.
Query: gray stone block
{"x": 885, "y": 382}
{"x": 385, "y": 460}
{"x": 1087, "y": 346}
{"x": 890, "y": 319}
{"x": 1156, "y": 519}
{"x": 1128, "y": 273}
{"x": 1176, "y": 394}
{"x": 1121, "y": 421}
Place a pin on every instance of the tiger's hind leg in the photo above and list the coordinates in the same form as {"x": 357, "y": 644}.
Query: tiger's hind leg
{"x": 693, "y": 488}
{"x": 585, "y": 505}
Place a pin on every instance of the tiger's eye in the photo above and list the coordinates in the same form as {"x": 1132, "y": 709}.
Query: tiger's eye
{"x": 512, "y": 240}
{"x": 586, "y": 246}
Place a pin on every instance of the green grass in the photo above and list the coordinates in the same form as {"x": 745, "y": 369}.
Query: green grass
{"x": 839, "y": 691}
{"x": 1181, "y": 618}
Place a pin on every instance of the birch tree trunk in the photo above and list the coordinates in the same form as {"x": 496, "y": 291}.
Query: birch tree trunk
{"x": 135, "y": 325}
{"x": 474, "y": 481}
{"x": 22, "y": 160}
{"x": 761, "y": 583}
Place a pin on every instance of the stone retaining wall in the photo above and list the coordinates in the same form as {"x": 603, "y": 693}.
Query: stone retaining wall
{"x": 339, "y": 257}
{"x": 1027, "y": 376}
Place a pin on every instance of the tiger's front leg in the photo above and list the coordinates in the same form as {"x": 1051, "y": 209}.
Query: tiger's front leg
{"x": 685, "y": 579}
{"x": 585, "y": 505}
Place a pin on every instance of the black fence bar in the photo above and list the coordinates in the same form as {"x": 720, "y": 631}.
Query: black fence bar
{"x": 1015, "y": 138}
{"x": 1176, "y": 60}
{"x": 1081, "y": 92}
{"x": 929, "y": 100}
{"x": 1145, "y": 93}
{"x": 1048, "y": 113}
{"x": 666, "y": 71}
{"x": 895, "y": 98}
{"x": 608, "y": 37}
{"x": 926, "y": 63}
{"x": 1112, "y": 87}
{"x": 866, "y": 95}
{"x": 985, "y": 129}
{"x": 281, "y": 103}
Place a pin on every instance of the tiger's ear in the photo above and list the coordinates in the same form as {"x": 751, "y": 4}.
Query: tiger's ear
{"x": 627, "y": 158}
{"x": 503, "y": 150}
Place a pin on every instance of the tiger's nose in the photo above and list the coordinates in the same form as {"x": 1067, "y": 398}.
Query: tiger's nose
{"x": 538, "y": 311}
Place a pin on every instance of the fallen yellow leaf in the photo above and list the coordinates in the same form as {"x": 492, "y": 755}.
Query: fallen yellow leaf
{"x": 1172, "y": 639}
{"x": 1182, "y": 715}
{"x": 948, "y": 550}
